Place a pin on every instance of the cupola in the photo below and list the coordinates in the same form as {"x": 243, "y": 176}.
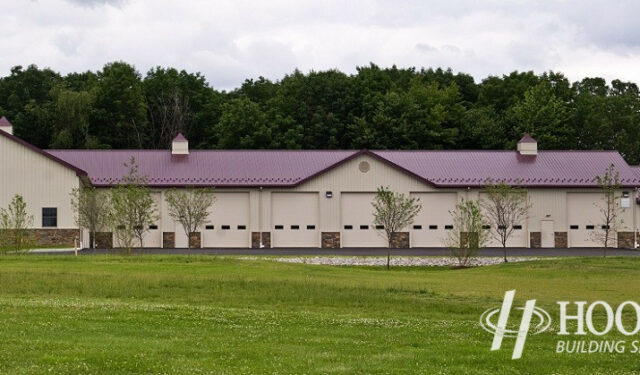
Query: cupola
{"x": 527, "y": 145}
{"x": 6, "y": 126}
{"x": 180, "y": 145}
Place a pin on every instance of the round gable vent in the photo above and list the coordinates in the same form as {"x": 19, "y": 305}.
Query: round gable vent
{"x": 364, "y": 166}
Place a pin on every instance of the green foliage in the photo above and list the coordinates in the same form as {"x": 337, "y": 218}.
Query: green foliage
{"x": 504, "y": 207}
{"x": 132, "y": 208}
{"x": 393, "y": 212}
{"x": 609, "y": 208}
{"x": 14, "y": 226}
{"x": 376, "y": 108}
{"x": 91, "y": 208}
{"x": 468, "y": 234}
{"x": 190, "y": 207}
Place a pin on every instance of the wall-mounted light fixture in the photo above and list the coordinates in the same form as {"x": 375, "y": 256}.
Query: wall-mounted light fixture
{"x": 328, "y": 194}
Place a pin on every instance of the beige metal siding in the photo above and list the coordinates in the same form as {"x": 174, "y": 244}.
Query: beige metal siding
{"x": 41, "y": 181}
{"x": 295, "y": 219}
{"x": 429, "y": 229}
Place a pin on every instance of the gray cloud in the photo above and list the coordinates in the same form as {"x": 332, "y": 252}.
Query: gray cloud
{"x": 230, "y": 40}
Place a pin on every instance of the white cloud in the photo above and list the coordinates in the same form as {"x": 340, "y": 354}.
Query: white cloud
{"x": 231, "y": 40}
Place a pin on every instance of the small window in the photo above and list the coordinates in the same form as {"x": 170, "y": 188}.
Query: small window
{"x": 153, "y": 227}
{"x": 502, "y": 227}
{"x": 448, "y": 227}
{"x": 605, "y": 227}
{"x": 433, "y": 227}
{"x": 226, "y": 227}
{"x": 379, "y": 227}
{"x": 208, "y": 227}
{"x": 279, "y": 227}
{"x": 49, "y": 217}
{"x": 348, "y": 227}
{"x": 517, "y": 227}
{"x": 242, "y": 227}
{"x": 364, "y": 227}
{"x": 591, "y": 227}
{"x": 417, "y": 227}
{"x": 295, "y": 227}
{"x": 311, "y": 227}
{"x": 574, "y": 227}
{"x": 486, "y": 227}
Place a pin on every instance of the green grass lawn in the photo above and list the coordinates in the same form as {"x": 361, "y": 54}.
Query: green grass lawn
{"x": 195, "y": 315}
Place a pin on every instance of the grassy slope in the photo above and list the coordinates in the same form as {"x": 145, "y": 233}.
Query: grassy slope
{"x": 194, "y": 315}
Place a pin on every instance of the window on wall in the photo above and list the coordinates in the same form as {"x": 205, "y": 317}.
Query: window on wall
{"x": 448, "y": 227}
{"x": 311, "y": 227}
{"x": 242, "y": 227}
{"x": 295, "y": 227}
{"x": 379, "y": 227}
{"x": 591, "y": 227}
{"x": 226, "y": 227}
{"x": 153, "y": 227}
{"x": 433, "y": 227}
{"x": 348, "y": 227}
{"x": 49, "y": 217}
{"x": 364, "y": 227}
{"x": 574, "y": 227}
{"x": 517, "y": 227}
{"x": 279, "y": 227}
{"x": 417, "y": 227}
{"x": 208, "y": 227}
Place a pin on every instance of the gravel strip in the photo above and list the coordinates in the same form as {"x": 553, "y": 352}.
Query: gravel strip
{"x": 395, "y": 261}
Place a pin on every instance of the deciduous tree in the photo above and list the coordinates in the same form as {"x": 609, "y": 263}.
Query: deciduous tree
{"x": 393, "y": 212}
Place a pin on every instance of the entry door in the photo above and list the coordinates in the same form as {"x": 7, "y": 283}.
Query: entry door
{"x": 547, "y": 233}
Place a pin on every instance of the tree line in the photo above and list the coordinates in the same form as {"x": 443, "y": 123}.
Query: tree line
{"x": 377, "y": 108}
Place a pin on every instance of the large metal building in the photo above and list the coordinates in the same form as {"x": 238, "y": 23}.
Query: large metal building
{"x": 277, "y": 198}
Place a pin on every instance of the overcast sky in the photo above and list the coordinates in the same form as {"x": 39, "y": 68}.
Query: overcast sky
{"x": 229, "y": 41}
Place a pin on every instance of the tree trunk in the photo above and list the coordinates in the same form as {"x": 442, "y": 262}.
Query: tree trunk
{"x": 504, "y": 248}
{"x": 389, "y": 255}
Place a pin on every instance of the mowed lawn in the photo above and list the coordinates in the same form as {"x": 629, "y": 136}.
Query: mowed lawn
{"x": 225, "y": 315}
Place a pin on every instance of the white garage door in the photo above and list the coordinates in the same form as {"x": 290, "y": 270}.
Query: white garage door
{"x": 582, "y": 219}
{"x": 295, "y": 220}
{"x": 228, "y": 224}
{"x": 431, "y": 226}
{"x": 356, "y": 215}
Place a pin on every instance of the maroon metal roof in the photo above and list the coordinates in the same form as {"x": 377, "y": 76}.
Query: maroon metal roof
{"x": 180, "y": 138}
{"x": 4, "y": 122}
{"x": 206, "y": 168}
{"x": 527, "y": 138}
{"x": 292, "y": 167}
{"x": 547, "y": 169}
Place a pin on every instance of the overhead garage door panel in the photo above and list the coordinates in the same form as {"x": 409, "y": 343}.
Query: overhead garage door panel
{"x": 228, "y": 224}
{"x": 433, "y": 222}
{"x": 358, "y": 229}
{"x": 295, "y": 220}
{"x": 153, "y": 236}
{"x": 582, "y": 219}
